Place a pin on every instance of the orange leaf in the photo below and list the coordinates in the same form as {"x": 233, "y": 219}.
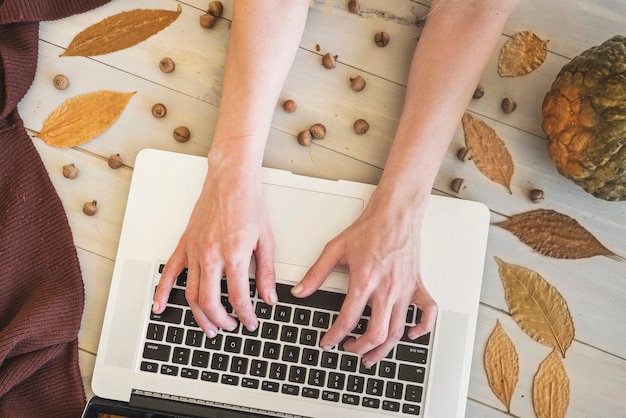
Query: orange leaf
{"x": 501, "y": 365}
{"x": 83, "y": 117}
{"x": 523, "y": 53}
{"x": 551, "y": 391}
{"x": 120, "y": 31}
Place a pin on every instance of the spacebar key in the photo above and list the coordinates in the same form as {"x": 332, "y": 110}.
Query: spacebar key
{"x": 321, "y": 299}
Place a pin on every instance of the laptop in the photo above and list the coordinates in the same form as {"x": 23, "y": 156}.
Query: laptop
{"x": 164, "y": 366}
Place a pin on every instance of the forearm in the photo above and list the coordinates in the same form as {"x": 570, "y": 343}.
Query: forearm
{"x": 264, "y": 39}
{"x": 455, "y": 45}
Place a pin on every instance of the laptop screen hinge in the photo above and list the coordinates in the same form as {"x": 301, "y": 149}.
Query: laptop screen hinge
{"x": 189, "y": 407}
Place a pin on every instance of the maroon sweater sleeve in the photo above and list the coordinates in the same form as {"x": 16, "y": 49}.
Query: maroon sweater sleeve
{"x": 42, "y": 293}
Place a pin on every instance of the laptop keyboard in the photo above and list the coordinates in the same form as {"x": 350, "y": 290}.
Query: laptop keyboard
{"x": 283, "y": 355}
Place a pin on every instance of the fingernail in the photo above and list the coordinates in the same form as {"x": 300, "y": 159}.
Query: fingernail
{"x": 273, "y": 297}
{"x": 252, "y": 327}
{"x": 211, "y": 334}
{"x": 327, "y": 347}
{"x": 297, "y": 289}
{"x": 155, "y": 307}
{"x": 231, "y": 328}
{"x": 368, "y": 364}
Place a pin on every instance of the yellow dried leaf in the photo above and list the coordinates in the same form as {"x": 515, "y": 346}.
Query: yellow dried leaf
{"x": 536, "y": 306}
{"x": 489, "y": 152}
{"x": 555, "y": 235}
{"x": 551, "y": 388}
{"x": 120, "y": 31}
{"x": 501, "y": 365}
{"x": 521, "y": 54}
{"x": 83, "y": 117}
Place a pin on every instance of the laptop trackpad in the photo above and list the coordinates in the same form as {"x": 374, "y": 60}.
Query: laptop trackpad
{"x": 444, "y": 386}
{"x": 126, "y": 324}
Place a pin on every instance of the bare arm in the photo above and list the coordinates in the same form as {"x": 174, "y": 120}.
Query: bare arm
{"x": 229, "y": 222}
{"x": 383, "y": 246}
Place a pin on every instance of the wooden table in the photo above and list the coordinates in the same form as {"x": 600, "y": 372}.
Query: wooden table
{"x": 594, "y": 288}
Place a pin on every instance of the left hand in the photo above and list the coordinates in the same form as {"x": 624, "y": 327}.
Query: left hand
{"x": 382, "y": 250}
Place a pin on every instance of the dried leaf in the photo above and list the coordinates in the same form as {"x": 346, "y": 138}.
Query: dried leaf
{"x": 521, "y": 54}
{"x": 489, "y": 152}
{"x": 501, "y": 365}
{"x": 555, "y": 235}
{"x": 551, "y": 391}
{"x": 81, "y": 118}
{"x": 537, "y": 307}
{"x": 120, "y": 31}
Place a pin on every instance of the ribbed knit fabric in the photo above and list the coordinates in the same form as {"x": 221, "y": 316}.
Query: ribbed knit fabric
{"x": 42, "y": 294}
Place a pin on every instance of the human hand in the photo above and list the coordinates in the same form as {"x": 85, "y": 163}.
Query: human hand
{"x": 228, "y": 224}
{"x": 382, "y": 250}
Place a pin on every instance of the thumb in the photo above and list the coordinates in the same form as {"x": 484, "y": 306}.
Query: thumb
{"x": 318, "y": 272}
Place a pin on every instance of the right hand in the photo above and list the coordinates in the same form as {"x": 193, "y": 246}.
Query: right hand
{"x": 228, "y": 225}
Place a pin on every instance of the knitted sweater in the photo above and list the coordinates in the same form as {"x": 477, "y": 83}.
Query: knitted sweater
{"x": 42, "y": 294}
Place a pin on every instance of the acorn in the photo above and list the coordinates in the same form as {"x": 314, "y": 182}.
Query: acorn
{"x": 61, "y": 82}
{"x": 304, "y": 138}
{"x": 70, "y": 171}
{"x": 357, "y": 83}
{"x": 159, "y": 110}
{"x": 115, "y": 161}
{"x": 329, "y": 61}
{"x": 361, "y": 126}
{"x": 381, "y": 39}
{"x": 354, "y": 6}
{"x": 290, "y": 106}
{"x": 167, "y": 65}
{"x": 318, "y": 131}
{"x": 181, "y": 134}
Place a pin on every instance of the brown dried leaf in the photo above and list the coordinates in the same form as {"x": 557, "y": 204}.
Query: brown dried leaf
{"x": 555, "y": 235}
{"x": 83, "y": 117}
{"x": 120, "y": 31}
{"x": 489, "y": 152}
{"x": 521, "y": 54}
{"x": 501, "y": 365}
{"x": 551, "y": 388}
{"x": 537, "y": 307}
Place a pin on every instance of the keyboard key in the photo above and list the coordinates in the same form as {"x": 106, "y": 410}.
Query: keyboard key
{"x": 308, "y": 337}
{"x": 159, "y": 352}
{"x": 177, "y": 297}
{"x": 270, "y": 386}
{"x": 349, "y": 363}
{"x": 413, "y": 393}
{"x": 252, "y": 347}
{"x": 317, "y": 377}
{"x": 246, "y": 382}
{"x": 411, "y": 409}
{"x": 412, "y": 353}
{"x": 422, "y": 340}
{"x": 391, "y": 406}
{"x": 181, "y": 355}
{"x": 269, "y": 331}
{"x": 387, "y": 369}
{"x": 410, "y": 373}
{"x": 282, "y": 313}
{"x": 336, "y": 381}
{"x": 190, "y": 321}
{"x": 147, "y": 366}
{"x": 330, "y": 396}
{"x": 297, "y": 374}
{"x": 320, "y": 299}
{"x": 394, "y": 390}
{"x": 169, "y": 370}
{"x": 368, "y": 371}
{"x": 290, "y": 389}
{"x": 330, "y": 359}
{"x": 194, "y": 338}
{"x": 175, "y": 335}
{"x": 310, "y": 356}
{"x": 189, "y": 373}
{"x": 361, "y": 327}
{"x": 229, "y": 379}
{"x": 239, "y": 365}
{"x": 233, "y": 344}
{"x": 291, "y": 353}
{"x": 310, "y": 393}
{"x": 249, "y": 333}
{"x": 214, "y": 343}
{"x": 155, "y": 332}
{"x": 209, "y": 376}
{"x": 169, "y": 315}
{"x": 200, "y": 359}
{"x": 355, "y": 384}
{"x": 321, "y": 320}
{"x": 219, "y": 362}
{"x": 350, "y": 399}
{"x": 258, "y": 368}
{"x": 289, "y": 334}
{"x": 374, "y": 387}
{"x": 371, "y": 402}
{"x": 271, "y": 351}
{"x": 302, "y": 316}
{"x": 278, "y": 371}
{"x": 263, "y": 311}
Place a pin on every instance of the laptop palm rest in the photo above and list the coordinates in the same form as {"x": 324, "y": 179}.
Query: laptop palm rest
{"x": 123, "y": 338}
